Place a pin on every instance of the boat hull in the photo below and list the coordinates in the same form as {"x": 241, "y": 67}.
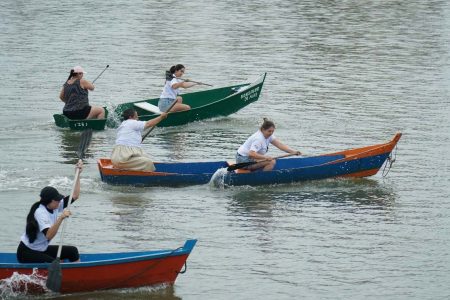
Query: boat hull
{"x": 94, "y": 124}
{"x": 168, "y": 174}
{"x": 105, "y": 271}
{"x": 204, "y": 104}
{"x": 358, "y": 162}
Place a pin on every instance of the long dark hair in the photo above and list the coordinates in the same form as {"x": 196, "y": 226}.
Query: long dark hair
{"x": 72, "y": 73}
{"x": 32, "y": 228}
{"x": 267, "y": 124}
{"x": 172, "y": 70}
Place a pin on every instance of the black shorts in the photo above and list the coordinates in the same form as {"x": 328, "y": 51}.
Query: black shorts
{"x": 78, "y": 114}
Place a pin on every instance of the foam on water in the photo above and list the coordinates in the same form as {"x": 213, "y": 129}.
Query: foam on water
{"x": 218, "y": 178}
{"x": 113, "y": 119}
{"x": 22, "y": 284}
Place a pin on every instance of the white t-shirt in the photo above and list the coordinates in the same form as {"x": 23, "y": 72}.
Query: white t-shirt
{"x": 45, "y": 219}
{"x": 169, "y": 91}
{"x": 256, "y": 142}
{"x": 129, "y": 133}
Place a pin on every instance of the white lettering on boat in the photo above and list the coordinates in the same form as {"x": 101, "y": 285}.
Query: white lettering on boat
{"x": 80, "y": 124}
{"x": 251, "y": 94}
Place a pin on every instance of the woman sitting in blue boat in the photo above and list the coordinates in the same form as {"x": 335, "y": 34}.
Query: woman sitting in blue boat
{"x": 127, "y": 153}
{"x": 43, "y": 222}
{"x": 75, "y": 96}
{"x": 171, "y": 90}
{"x": 256, "y": 146}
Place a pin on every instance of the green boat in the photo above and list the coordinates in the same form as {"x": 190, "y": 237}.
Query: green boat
{"x": 204, "y": 104}
{"x": 95, "y": 124}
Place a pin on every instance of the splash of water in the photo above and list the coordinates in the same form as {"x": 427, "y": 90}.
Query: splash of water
{"x": 113, "y": 119}
{"x": 218, "y": 178}
{"x": 22, "y": 284}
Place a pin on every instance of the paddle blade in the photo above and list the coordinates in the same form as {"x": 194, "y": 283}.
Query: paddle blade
{"x": 85, "y": 140}
{"x": 240, "y": 165}
{"x": 54, "y": 276}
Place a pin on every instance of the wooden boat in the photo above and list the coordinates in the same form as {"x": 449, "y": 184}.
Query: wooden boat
{"x": 358, "y": 162}
{"x": 204, "y": 104}
{"x": 99, "y": 271}
{"x": 95, "y": 124}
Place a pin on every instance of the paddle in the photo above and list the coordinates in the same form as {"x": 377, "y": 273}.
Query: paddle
{"x": 153, "y": 127}
{"x": 169, "y": 77}
{"x": 107, "y": 66}
{"x": 246, "y": 164}
{"x": 197, "y": 82}
{"x": 54, "y": 270}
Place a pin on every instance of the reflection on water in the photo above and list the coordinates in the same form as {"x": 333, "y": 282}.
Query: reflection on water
{"x": 70, "y": 143}
{"x": 129, "y": 211}
{"x": 356, "y": 193}
{"x": 162, "y": 292}
{"x": 175, "y": 143}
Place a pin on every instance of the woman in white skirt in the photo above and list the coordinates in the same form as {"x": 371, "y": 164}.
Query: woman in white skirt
{"x": 127, "y": 153}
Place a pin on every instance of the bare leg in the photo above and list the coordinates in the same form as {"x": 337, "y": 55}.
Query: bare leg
{"x": 97, "y": 112}
{"x": 265, "y": 165}
{"x": 180, "y": 107}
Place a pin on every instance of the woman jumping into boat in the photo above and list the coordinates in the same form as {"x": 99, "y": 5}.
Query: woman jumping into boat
{"x": 43, "y": 222}
{"x": 74, "y": 94}
{"x": 257, "y": 145}
{"x": 171, "y": 90}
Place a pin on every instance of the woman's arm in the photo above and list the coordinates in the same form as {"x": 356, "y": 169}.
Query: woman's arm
{"x": 76, "y": 191}
{"x": 284, "y": 147}
{"x": 255, "y": 155}
{"x": 185, "y": 84}
{"x": 155, "y": 121}
{"x": 87, "y": 85}
{"x": 53, "y": 230}
{"x": 61, "y": 95}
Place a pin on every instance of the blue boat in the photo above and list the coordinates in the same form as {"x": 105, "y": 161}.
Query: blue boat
{"x": 358, "y": 162}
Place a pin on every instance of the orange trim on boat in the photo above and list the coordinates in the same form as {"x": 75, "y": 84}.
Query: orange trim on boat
{"x": 107, "y": 168}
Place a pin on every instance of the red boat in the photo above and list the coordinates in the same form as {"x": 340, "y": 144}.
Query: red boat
{"x": 98, "y": 271}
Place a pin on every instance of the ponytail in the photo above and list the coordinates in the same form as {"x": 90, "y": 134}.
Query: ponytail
{"x": 172, "y": 70}
{"x": 169, "y": 76}
{"x": 267, "y": 124}
{"x": 32, "y": 227}
{"x": 72, "y": 73}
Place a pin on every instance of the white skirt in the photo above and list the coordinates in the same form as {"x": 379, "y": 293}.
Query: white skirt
{"x": 131, "y": 158}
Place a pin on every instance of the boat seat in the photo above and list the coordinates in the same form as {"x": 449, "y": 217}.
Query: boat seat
{"x": 237, "y": 90}
{"x": 148, "y": 107}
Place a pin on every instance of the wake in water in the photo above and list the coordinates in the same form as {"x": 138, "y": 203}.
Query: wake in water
{"x": 22, "y": 284}
{"x": 218, "y": 178}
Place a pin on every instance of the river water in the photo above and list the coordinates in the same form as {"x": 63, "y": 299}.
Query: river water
{"x": 340, "y": 74}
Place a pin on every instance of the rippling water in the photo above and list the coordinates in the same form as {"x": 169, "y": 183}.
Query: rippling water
{"x": 340, "y": 75}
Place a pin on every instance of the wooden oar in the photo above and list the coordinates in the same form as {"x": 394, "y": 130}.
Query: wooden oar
{"x": 197, "y": 82}
{"x": 246, "y": 164}
{"x": 54, "y": 277}
{"x": 153, "y": 127}
{"x": 169, "y": 76}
